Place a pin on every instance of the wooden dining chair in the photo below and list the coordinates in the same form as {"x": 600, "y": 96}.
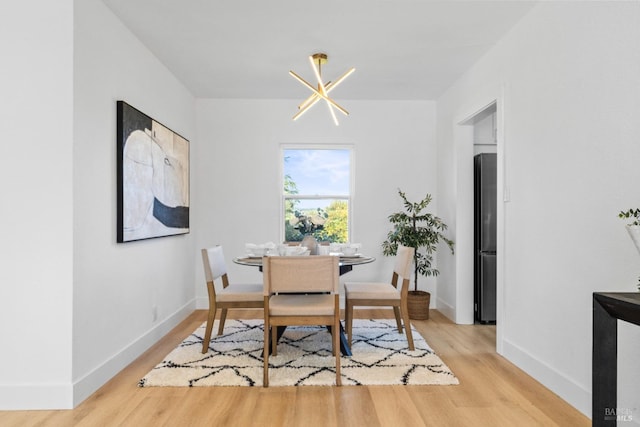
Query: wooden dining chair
{"x": 383, "y": 294}
{"x": 227, "y": 296}
{"x": 300, "y": 291}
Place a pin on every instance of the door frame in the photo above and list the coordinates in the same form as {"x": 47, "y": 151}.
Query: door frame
{"x": 463, "y": 136}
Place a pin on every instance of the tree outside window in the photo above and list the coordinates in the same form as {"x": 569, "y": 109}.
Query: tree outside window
{"x": 316, "y": 193}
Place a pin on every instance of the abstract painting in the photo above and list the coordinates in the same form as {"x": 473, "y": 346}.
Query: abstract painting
{"x": 153, "y": 178}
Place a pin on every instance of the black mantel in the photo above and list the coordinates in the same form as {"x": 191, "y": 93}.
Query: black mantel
{"x": 608, "y": 307}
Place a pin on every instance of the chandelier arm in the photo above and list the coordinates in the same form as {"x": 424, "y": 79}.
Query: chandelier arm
{"x": 309, "y": 102}
{"x": 305, "y": 108}
{"x": 340, "y": 80}
{"x": 321, "y": 88}
{"x": 316, "y": 98}
{"x": 316, "y": 71}
{"x": 329, "y": 86}
{"x": 342, "y": 110}
{"x": 301, "y": 80}
{"x": 333, "y": 114}
{"x": 313, "y": 97}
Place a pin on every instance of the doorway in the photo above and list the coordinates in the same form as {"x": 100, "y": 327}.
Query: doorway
{"x": 485, "y": 147}
{"x": 479, "y": 132}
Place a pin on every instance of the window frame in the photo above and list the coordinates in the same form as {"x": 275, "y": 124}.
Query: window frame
{"x": 349, "y": 198}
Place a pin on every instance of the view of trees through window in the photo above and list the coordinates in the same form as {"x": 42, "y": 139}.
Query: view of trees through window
{"x": 316, "y": 192}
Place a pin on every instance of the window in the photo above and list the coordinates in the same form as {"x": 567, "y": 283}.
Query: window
{"x": 316, "y": 192}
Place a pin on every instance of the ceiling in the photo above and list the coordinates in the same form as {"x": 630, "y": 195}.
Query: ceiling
{"x": 401, "y": 49}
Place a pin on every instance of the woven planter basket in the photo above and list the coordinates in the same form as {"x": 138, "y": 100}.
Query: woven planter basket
{"x": 418, "y": 304}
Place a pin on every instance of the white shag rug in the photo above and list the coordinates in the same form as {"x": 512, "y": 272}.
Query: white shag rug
{"x": 380, "y": 356}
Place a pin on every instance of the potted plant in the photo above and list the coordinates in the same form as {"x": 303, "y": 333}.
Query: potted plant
{"x": 421, "y": 231}
{"x": 633, "y": 228}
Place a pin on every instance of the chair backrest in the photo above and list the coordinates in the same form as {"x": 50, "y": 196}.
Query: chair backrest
{"x": 404, "y": 261}
{"x": 214, "y": 265}
{"x": 314, "y": 273}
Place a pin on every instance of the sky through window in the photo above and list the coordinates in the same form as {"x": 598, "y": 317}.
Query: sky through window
{"x": 319, "y": 172}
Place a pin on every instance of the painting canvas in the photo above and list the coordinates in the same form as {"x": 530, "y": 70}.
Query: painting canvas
{"x": 153, "y": 177}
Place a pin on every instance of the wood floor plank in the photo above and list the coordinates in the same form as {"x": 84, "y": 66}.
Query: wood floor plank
{"x": 435, "y": 407}
{"x": 314, "y": 406}
{"x": 355, "y": 403}
{"x": 276, "y": 407}
{"x": 394, "y": 407}
{"x": 492, "y": 392}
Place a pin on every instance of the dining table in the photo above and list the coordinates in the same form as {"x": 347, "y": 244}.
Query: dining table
{"x": 346, "y": 262}
{"x": 346, "y": 265}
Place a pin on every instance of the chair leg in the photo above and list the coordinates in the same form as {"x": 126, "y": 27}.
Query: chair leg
{"x": 346, "y": 316}
{"x": 333, "y": 347}
{"x": 207, "y": 335}
{"x": 396, "y": 311}
{"x": 407, "y": 325}
{"x": 274, "y": 341}
{"x": 336, "y": 349}
{"x": 348, "y": 320}
{"x": 223, "y": 318}
{"x": 346, "y": 312}
{"x": 265, "y": 372}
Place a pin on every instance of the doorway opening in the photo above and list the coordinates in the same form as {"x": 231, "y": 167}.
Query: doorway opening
{"x": 480, "y": 134}
{"x": 485, "y": 196}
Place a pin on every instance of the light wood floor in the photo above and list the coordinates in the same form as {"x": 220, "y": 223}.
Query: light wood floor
{"x": 492, "y": 392}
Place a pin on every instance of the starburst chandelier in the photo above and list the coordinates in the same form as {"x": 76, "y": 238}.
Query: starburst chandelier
{"x": 317, "y": 60}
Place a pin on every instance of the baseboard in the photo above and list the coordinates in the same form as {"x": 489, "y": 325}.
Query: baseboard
{"x": 446, "y": 309}
{"x": 34, "y": 396}
{"x": 95, "y": 379}
{"x": 573, "y": 393}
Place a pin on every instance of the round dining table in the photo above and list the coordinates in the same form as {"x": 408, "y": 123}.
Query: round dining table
{"x": 346, "y": 262}
{"x": 346, "y": 265}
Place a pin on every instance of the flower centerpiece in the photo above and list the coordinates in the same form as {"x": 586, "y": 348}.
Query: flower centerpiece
{"x": 307, "y": 225}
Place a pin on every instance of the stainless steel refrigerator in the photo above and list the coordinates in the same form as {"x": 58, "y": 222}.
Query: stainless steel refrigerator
{"x": 485, "y": 206}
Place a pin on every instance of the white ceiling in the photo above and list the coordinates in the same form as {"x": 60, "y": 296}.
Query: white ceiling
{"x": 401, "y": 49}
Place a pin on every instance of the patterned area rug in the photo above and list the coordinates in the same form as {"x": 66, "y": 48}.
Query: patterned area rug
{"x": 380, "y": 357}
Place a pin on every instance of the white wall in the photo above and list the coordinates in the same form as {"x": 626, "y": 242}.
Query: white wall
{"x": 77, "y": 307}
{"x": 126, "y": 296}
{"x": 566, "y": 78}
{"x": 37, "y": 211}
{"x": 237, "y": 167}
